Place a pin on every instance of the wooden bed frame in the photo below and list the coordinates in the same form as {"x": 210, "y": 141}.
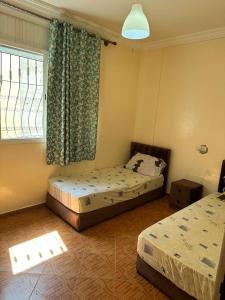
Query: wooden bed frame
{"x": 84, "y": 220}
{"x": 221, "y": 185}
{"x": 164, "y": 284}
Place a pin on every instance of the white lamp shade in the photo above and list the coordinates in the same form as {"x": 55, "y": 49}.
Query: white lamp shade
{"x": 136, "y": 25}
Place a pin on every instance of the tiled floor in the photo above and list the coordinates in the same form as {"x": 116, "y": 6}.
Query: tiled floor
{"x": 99, "y": 262}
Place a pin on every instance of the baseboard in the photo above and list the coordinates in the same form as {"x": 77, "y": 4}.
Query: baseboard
{"x": 22, "y": 209}
{"x": 11, "y": 212}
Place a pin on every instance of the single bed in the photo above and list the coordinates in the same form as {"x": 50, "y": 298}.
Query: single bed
{"x": 181, "y": 253}
{"x": 83, "y": 200}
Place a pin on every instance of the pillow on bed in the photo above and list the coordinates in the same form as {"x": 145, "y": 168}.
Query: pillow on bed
{"x": 146, "y": 164}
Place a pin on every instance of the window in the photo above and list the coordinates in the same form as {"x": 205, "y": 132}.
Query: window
{"x": 21, "y": 94}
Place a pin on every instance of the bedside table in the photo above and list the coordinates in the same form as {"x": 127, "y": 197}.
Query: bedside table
{"x": 184, "y": 192}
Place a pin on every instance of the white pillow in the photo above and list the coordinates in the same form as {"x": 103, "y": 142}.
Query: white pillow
{"x": 146, "y": 164}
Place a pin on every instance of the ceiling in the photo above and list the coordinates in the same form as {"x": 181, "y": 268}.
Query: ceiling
{"x": 167, "y": 18}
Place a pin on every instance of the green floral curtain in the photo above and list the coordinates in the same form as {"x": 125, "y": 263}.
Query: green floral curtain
{"x": 73, "y": 92}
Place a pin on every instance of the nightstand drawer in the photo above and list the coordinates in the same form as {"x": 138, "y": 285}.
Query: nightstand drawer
{"x": 180, "y": 192}
{"x": 178, "y": 202}
{"x": 184, "y": 192}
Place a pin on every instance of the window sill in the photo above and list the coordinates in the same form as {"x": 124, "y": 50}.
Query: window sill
{"x": 24, "y": 141}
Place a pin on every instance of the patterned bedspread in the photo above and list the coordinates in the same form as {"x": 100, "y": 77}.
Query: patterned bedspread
{"x": 100, "y": 188}
{"x": 185, "y": 247}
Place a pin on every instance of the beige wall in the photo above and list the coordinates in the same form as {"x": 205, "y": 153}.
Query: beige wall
{"x": 181, "y": 104}
{"x": 23, "y": 175}
{"x": 23, "y": 171}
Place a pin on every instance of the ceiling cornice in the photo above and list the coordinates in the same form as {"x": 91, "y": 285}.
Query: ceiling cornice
{"x": 187, "y": 39}
{"x": 51, "y": 11}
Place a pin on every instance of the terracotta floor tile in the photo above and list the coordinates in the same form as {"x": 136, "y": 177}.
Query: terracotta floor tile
{"x": 52, "y": 287}
{"x": 101, "y": 245}
{"x": 108, "y": 230}
{"x": 18, "y": 287}
{"x": 126, "y": 269}
{"x": 126, "y": 253}
{"x": 62, "y": 287}
{"x": 133, "y": 289}
{"x": 12, "y": 237}
{"x": 65, "y": 263}
{"x": 74, "y": 241}
{"x": 5, "y": 262}
{"x": 6, "y": 266}
{"x": 126, "y": 245}
{"x": 92, "y": 288}
{"x": 99, "y": 263}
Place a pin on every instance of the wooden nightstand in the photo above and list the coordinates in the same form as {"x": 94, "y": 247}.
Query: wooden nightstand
{"x": 184, "y": 192}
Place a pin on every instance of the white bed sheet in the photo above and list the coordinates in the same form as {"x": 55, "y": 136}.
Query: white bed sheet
{"x": 185, "y": 247}
{"x": 100, "y": 188}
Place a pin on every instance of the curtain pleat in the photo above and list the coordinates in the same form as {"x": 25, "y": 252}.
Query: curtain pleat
{"x": 73, "y": 94}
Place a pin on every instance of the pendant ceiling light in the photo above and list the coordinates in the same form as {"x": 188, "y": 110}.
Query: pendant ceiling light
{"x": 136, "y": 25}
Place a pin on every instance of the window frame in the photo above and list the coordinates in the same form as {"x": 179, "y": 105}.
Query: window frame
{"x": 30, "y": 140}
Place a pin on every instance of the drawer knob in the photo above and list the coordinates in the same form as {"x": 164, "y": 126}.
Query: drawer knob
{"x": 179, "y": 190}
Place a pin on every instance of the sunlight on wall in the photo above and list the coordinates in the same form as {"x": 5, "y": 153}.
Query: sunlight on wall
{"x": 33, "y": 252}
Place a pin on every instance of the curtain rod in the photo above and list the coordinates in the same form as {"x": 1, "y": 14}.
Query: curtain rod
{"x": 106, "y": 42}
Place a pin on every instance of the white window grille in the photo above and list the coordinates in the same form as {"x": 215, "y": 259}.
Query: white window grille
{"x": 21, "y": 94}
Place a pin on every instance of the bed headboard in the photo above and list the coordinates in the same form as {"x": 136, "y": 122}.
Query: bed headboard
{"x": 222, "y": 178}
{"x": 159, "y": 152}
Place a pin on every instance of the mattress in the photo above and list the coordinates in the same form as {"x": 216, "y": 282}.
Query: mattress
{"x": 185, "y": 247}
{"x": 100, "y": 188}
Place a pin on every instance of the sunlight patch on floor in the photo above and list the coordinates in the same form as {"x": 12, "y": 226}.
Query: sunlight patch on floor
{"x": 33, "y": 252}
